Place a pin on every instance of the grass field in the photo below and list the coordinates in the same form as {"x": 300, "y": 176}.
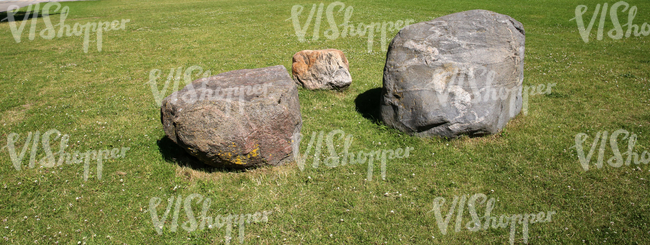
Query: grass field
{"x": 103, "y": 100}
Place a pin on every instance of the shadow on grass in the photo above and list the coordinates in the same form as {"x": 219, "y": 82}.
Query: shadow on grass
{"x": 23, "y": 16}
{"x": 367, "y": 103}
{"x": 174, "y": 153}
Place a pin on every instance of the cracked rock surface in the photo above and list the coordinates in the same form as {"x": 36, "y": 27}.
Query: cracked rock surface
{"x": 460, "y": 74}
{"x": 321, "y": 69}
{"x": 238, "y": 119}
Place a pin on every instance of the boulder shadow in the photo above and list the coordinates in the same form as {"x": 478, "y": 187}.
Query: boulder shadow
{"x": 171, "y": 152}
{"x": 368, "y": 104}
{"x": 24, "y": 16}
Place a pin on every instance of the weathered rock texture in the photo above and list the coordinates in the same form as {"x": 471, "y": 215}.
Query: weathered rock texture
{"x": 321, "y": 69}
{"x": 237, "y": 119}
{"x": 457, "y": 74}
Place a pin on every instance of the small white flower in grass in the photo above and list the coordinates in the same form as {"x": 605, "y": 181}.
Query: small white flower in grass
{"x": 331, "y": 235}
{"x": 392, "y": 211}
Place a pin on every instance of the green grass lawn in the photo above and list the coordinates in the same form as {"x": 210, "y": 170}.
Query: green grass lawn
{"x": 103, "y": 100}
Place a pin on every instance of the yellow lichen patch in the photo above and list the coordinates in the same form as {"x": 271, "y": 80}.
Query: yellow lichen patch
{"x": 255, "y": 152}
{"x": 240, "y": 159}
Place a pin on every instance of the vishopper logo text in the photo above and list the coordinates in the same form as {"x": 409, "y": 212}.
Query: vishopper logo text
{"x": 204, "y": 220}
{"x": 347, "y": 28}
{"x": 154, "y": 75}
{"x": 487, "y": 221}
{"x": 334, "y": 160}
{"x": 456, "y": 80}
{"x": 49, "y": 159}
{"x": 50, "y": 32}
{"x": 202, "y": 92}
{"x": 615, "y": 161}
{"x": 617, "y": 32}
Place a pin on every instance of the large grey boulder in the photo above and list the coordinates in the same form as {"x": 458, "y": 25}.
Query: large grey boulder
{"x": 458, "y": 74}
{"x": 321, "y": 69}
{"x": 237, "y": 119}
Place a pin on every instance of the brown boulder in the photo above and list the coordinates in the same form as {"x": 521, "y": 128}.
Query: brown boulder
{"x": 321, "y": 69}
{"x": 238, "y": 119}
